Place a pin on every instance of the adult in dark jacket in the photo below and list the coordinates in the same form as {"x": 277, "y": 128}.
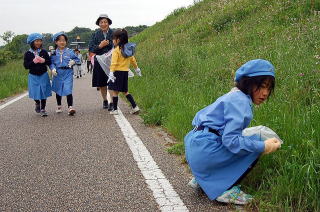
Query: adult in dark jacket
{"x": 36, "y": 60}
{"x": 101, "y": 43}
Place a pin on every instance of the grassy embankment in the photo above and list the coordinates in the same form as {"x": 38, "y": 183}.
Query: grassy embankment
{"x": 13, "y": 78}
{"x": 189, "y": 59}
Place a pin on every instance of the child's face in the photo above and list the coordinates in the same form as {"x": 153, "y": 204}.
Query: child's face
{"x": 116, "y": 42}
{"x": 261, "y": 94}
{"x": 61, "y": 42}
{"x": 37, "y": 44}
{"x": 104, "y": 24}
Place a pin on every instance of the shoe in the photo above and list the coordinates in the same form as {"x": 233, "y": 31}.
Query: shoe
{"x": 235, "y": 196}
{"x": 71, "y": 111}
{"x": 59, "y": 109}
{"x": 105, "y": 104}
{"x": 37, "y": 108}
{"x": 43, "y": 113}
{"x": 193, "y": 183}
{"x": 114, "y": 112}
{"x": 80, "y": 75}
{"x": 110, "y": 107}
{"x": 135, "y": 110}
{"x": 77, "y": 76}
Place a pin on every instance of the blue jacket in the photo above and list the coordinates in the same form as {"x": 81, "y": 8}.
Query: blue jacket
{"x": 62, "y": 60}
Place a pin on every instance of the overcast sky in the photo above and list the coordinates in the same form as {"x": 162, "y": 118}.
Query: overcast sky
{"x": 44, "y": 16}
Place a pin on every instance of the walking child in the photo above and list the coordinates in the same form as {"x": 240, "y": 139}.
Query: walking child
{"x": 217, "y": 153}
{"x": 122, "y": 57}
{"x": 36, "y": 60}
{"x": 77, "y": 66}
{"x": 62, "y": 61}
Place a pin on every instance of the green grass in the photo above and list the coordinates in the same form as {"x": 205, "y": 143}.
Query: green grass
{"x": 13, "y": 79}
{"x": 189, "y": 59}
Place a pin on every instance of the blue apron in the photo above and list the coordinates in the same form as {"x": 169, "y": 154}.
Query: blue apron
{"x": 39, "y": 86}
{"x": 62, "y": 84}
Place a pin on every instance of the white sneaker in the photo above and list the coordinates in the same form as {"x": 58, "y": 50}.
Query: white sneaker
{"x": 193, "y": 183}
{"x": 114, "y": 112}
{"x": 135, "y": 110}
{"x": 59, "y": 109}
{"x": 72, "y": 111}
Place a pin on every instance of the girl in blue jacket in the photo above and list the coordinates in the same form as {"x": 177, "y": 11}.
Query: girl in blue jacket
{"x": 217, "y": 153}
{"x": 62, "y": 61}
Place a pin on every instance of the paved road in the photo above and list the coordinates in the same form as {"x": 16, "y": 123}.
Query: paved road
{"x": 82, "y": 163}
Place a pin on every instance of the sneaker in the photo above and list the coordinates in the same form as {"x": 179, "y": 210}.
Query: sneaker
{"x": 37, "y": 108}
{"x": 105, "y": 104}
{"x": 43, "y": 113}
{"x": 59, "y": 109}
{"x": 193, "y": 183}
{"x": 110, "y": 107}
{"x": 135, "y": 110}
{"x": 114, "y": 112}
{"x": 235, "y": 196}
{"x": 71, "y": 111}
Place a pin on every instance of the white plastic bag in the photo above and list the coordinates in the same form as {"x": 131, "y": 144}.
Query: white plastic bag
{"x": 262, "y": 131}
{"x": 105, "y": 61}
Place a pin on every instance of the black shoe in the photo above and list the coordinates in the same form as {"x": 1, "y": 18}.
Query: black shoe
{"x": 37, "y": 108}
{"x": 105, "y": 104}
{"x": 80, "y": 75}
{"x": 77, "y": 76}
{"x": 110, "y": 108}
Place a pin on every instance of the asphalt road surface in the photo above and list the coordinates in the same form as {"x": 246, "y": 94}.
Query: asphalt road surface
{"x": 84, "y": 162}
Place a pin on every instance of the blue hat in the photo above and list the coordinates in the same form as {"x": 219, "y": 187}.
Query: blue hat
{"x": 55, "y": 36}
{"x": 34, "y": 36}
{"x": 258, "y": 67}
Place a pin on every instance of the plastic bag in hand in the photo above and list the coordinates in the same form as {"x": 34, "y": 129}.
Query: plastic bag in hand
{"x": 262, "y": 131}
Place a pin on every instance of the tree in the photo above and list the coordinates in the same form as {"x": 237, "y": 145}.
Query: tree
{"x": 7, "y": 36}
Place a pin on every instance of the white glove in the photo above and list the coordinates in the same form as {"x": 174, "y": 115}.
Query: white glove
{"x": 130, "y": 73}
{"x": 138, "y": 71}
{"x": 54, "y": 72}
{"x": 71, "y": 63}
{"x": 111, "y": 76}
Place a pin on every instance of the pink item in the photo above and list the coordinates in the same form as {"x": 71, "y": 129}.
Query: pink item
{"x": 92, "y": 60}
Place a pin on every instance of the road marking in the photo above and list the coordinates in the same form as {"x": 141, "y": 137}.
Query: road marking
{"x": 163, "y": 192}
{"x": 13, "y": 100}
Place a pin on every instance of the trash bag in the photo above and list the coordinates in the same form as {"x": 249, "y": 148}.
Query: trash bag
{"x": 105, "y": 61}
{"x": 262, "y": 131}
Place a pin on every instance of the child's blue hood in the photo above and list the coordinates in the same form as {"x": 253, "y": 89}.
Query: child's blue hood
{"x": 128, "y": 50}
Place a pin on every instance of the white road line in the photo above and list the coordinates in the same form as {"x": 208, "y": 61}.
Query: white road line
{"x": 163, "y": 192}
{"x": 13, "y": 100}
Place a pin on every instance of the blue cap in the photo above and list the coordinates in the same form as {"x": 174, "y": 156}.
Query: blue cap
{"x": 257, "y": 67}
{"x": 34, "y": 36}
{"x": 55, "y": 36}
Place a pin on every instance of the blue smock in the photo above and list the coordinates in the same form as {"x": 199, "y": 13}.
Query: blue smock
{"x": 62, "y": 84}
{"x": 217, "y": 162}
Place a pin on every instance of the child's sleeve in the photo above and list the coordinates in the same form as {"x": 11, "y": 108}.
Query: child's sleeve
{"x": 236, "y": 114}
{"x": 28, "y": 61}
{"x": 52, "y": 66}
{"x": 114, "y": 60}
{"x": 74, "y": 57}
{"x": 133, "y": 62}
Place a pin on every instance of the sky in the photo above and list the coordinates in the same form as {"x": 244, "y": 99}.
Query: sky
{"x": 44, "y": 16}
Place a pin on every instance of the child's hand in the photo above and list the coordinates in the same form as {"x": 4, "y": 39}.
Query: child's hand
{"x": 71, "y": 63}
{"x": 271, "y": 145}
{"x": 138, "y": 71}
{"x": 41, "y": 60}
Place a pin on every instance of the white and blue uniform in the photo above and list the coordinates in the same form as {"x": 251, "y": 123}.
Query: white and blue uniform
{"x": 218, "y": 161}
{"x": 62, "y": 84}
